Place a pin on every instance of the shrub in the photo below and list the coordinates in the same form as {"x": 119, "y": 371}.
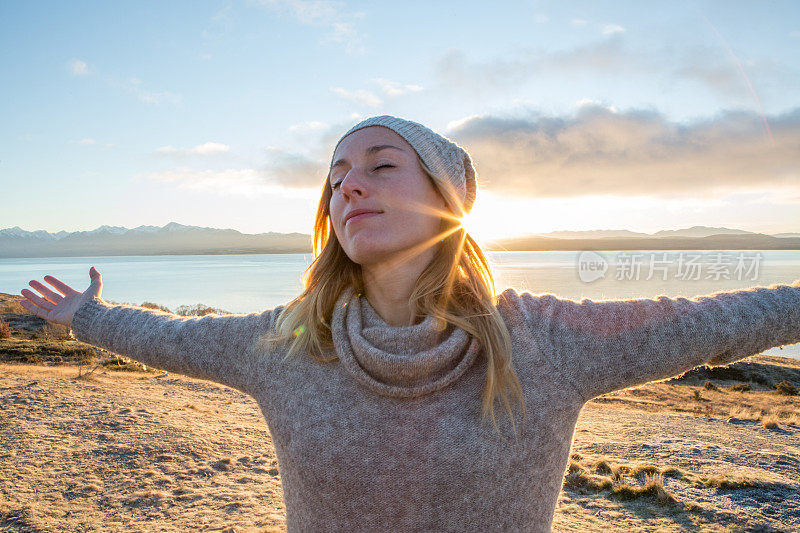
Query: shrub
{"x": 644, "y": 468}
{"x": 604, "y": 467}
{"x": 124, "y": 364}
{"x": 697, "y": 396}
{"x": 770, "y": 423}
{"x": 198, "y": 310}
{"x": 710, "y": 386}
{"x": 5, "y": 329}
{"x": 721, "y": 481}
{"x": 672, "y": 471}
{"x": 582, "y": 480}
{"x": 151, "y": 305}
{"x": 653, "y": 487}
{"x": 785, "y": 387}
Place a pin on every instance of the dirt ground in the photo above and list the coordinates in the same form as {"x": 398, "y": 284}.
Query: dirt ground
{"x": 133, "y": 451}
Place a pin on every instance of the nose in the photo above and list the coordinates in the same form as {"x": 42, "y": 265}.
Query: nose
{"x": 353, "y": 184}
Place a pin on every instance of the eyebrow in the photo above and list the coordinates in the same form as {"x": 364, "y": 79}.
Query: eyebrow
{"x": 370, "y": 150}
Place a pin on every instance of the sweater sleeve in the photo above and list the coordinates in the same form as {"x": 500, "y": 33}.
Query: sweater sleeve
{"x": 605, "y": 345}
{"x": 218, "y": 348}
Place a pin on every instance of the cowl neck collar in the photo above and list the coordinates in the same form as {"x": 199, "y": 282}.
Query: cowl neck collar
{"x": 398, "y": 361}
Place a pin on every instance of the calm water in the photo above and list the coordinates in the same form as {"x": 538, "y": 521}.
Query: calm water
{"x": 250, "y": 283}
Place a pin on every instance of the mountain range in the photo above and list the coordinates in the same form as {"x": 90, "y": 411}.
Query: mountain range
{"x": 171, "y": 239}
{"x": 178, "y": 239}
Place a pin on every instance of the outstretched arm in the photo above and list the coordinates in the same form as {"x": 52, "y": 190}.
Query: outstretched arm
{"x": 601, "y": 346}
{"x": 219, "y": 348}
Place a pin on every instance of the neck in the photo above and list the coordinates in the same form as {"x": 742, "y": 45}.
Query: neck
{"x": 388, "y": 286}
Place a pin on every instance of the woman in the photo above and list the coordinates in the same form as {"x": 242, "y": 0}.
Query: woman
{"x": 377, "y": 381}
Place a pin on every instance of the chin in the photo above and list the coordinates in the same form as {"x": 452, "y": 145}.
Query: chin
{"x": 367, "y": 253}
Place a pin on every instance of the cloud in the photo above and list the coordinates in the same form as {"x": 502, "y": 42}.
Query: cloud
{"x": 134, "y": 86}
{"x": 87, "y": 141}
{"x": 364, "y": 97}
{"x": 78, "y": 67}
{"x": 592, "y": 102}
{"x": 718, "y": 71}
{"x": 608, "y": 29}
{"x": 359, "y": 96}
{"x": 341, "y": 23}
{"x": 208, "y": 148}
{"x": 228, "y": 182}
{"x": 454, "y": 71}
{"x": 579, "y": 22}
{"x": 395, "y": 88}
{"x": 131, "y": 85}
{"x": 600, "y": 151}
{"x": 597, "y": 150}
{"x": 284, "y": 172}
{"x": 305, "y": 127}
{"x": 712, "y": 67}
{"x": 540, "y": 18}
{"x": 294, "y": 170}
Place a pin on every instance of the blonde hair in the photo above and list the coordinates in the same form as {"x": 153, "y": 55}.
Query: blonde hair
{"x": 457, "y": 286}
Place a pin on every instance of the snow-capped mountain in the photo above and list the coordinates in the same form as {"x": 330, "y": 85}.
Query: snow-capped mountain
{"x": 173, "y": 238}
{"x": 179, "y": 239}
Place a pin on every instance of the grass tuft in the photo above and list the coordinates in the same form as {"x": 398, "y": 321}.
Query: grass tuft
{"x": 644, "y": 469}
{"x": 583, "y": 480}
{"x": 722, "y": 481}
{"x": 770, "y": 423}
{"x": 123, "y": 364}
{"x": 786, "y": 388}
{"x": 151, "y": 305}
{"x": 653, "y": 488}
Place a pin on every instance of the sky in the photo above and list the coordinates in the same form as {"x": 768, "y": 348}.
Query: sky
{"x": 578, "y": 115}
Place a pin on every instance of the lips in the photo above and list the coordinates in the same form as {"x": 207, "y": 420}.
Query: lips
{"x": 358, "y": 214}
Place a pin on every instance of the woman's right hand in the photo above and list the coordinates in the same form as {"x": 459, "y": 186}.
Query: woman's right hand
{"x": 59, "y": 308}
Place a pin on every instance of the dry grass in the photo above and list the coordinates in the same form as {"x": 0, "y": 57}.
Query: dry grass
{"x": 644, "y": 468}
{"x": 5, "y": 329}
{"x": 151, "y": 305}
{"x": 124, "y": 364}
{"x": 746, "y": 413}
{"x": 722, "y": 481}
{"x": 715, "y": 392}
{"x": 653, "y": 488}
{"x": 786, "y": 388}
{"x": 588, "y": 476}
{"x": 632, "y": 481}
{"x": 199, "y": 310}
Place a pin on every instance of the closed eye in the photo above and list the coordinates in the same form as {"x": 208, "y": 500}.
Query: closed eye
{"x": 335, "y": 186}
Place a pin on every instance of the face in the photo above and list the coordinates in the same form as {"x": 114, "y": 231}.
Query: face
{"x": 404, "y": 217}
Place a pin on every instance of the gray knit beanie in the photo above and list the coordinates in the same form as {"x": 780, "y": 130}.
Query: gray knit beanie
{"x": 444, "y": 157}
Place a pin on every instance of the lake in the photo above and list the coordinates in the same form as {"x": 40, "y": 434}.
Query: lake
{"x": 249, "y": 283}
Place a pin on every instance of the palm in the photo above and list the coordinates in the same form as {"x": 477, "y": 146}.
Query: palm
{"x": 55, "y": 307}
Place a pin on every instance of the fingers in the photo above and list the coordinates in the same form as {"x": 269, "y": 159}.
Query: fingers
{"x": 42, "y": 307}
{"x": 46, "y": 292}
{"x": 62, "y": 287}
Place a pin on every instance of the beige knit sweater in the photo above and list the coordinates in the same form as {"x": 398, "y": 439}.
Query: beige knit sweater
{"x": 388, "y": 437}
